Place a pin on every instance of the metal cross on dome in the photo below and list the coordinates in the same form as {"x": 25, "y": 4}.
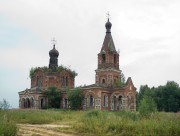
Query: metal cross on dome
{"x": 108, "y": 15}
{"x": 53, "y": 41}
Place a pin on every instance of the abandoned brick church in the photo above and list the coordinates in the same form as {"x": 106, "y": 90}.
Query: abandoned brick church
{"x": 103, "y": 95}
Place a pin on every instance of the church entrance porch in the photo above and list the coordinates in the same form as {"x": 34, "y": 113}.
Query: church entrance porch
{"x": 116, "y": 103}
{"x": 27, "y": 103}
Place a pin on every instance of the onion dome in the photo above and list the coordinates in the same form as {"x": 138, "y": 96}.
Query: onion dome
{"x": 53, "y": 52}
{"x": 108, "y": 26}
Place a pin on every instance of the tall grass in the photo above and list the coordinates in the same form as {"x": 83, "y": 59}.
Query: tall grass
{"x": 7, "y": 127}
{"x": 42, "y": 116}
{"x": 99, "y": 123}
{"x": 128, "y": 123}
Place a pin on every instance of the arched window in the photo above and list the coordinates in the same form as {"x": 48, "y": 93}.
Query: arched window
{"x": 115, "y": 59}
{"x": 115, "y": 102}
{"x": 65, "y": 103}
{"x": 103, "y": 81}
{"x": 103, "y": 58}
{"x": 23, "y": 103}
{"x": 39, "y": 82}
{"x": 120, "y": 99}
{"x": 64, "y": 81}
{"x": 105, "y": 101}
{"x": 42, "y": 103}
{"x": 28, "y": 104}
{"x": 120, "y": 102}
{"x": 91, "y": 101}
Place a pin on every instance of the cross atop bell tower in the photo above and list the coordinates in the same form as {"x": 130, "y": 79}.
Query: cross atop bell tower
{"x": 108, "y": 15}
{"x": 53, "y": 41}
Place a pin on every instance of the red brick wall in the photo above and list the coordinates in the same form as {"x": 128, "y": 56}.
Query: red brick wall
{"x": 47, "y": 80}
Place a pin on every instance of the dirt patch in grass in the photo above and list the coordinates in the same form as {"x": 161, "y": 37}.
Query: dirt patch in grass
{"x": 44, "y": 130}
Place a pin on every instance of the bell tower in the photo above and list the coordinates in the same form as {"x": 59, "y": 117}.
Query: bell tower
{"x": 108, "y": 72}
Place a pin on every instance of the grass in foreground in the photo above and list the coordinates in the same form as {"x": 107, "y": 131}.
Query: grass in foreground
{"x": 7, "y": 127}
{"x": 128, "y": 123}
{"x": 94, "y": 122}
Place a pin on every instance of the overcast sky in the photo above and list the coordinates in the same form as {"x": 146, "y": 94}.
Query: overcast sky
{"x": 147, "y": 33}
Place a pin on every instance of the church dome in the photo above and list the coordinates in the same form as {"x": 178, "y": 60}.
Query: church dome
{"x": 53, "y": 52}
{"x": 108, "y": 24}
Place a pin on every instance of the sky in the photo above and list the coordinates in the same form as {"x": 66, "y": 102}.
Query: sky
{"x": 147, "y": 33}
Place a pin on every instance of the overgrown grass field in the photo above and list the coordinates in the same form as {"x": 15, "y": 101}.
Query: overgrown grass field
{"x": 100, "y": 123}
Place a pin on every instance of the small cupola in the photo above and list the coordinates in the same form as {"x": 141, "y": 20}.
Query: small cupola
{"x": 53, "y": 52}
{"x": 108, "y": 26}
{"x": 53, "y": 61}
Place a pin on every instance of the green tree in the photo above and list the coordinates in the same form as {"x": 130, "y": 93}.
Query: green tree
{"x": 172, "y": 104}
{"x": 4, "y": 105}
{"x": 75, "y": 98}
{"x": 158, "y": 92}
{"x": 166, "y": 98}
{"x": 53, "y": 96}
{"x": 147, "y": 106}
{"x": 178, "y": 98}
{"x": 170, "y": 97}
{"x": 121, "y": 81}
{"x": 144, "y": 89}
{"x": 123, "y": 78}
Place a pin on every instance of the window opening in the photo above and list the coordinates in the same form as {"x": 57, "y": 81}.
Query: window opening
{"x": 103, "y": 81}
{"x": 42, "y": 103}
{"x": 105, "y": 101}
{"x": 66, "y": 81}
{"x": 115, "y": 59}
{"x": 91, "y": 100}
{"x": 103, "y": 58}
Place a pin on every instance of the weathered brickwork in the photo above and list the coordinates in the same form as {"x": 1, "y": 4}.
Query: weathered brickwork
{"x": 110, "y": 98}
{"x": 57, "y": 79}
{"x": 105, "y": 94}
{"x": 41, "y": 80}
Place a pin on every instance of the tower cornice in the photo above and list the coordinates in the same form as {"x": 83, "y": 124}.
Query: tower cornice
{"x": 107, "y": 70}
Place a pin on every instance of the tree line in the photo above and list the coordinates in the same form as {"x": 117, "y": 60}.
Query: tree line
{"x": 163, "y": 98}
